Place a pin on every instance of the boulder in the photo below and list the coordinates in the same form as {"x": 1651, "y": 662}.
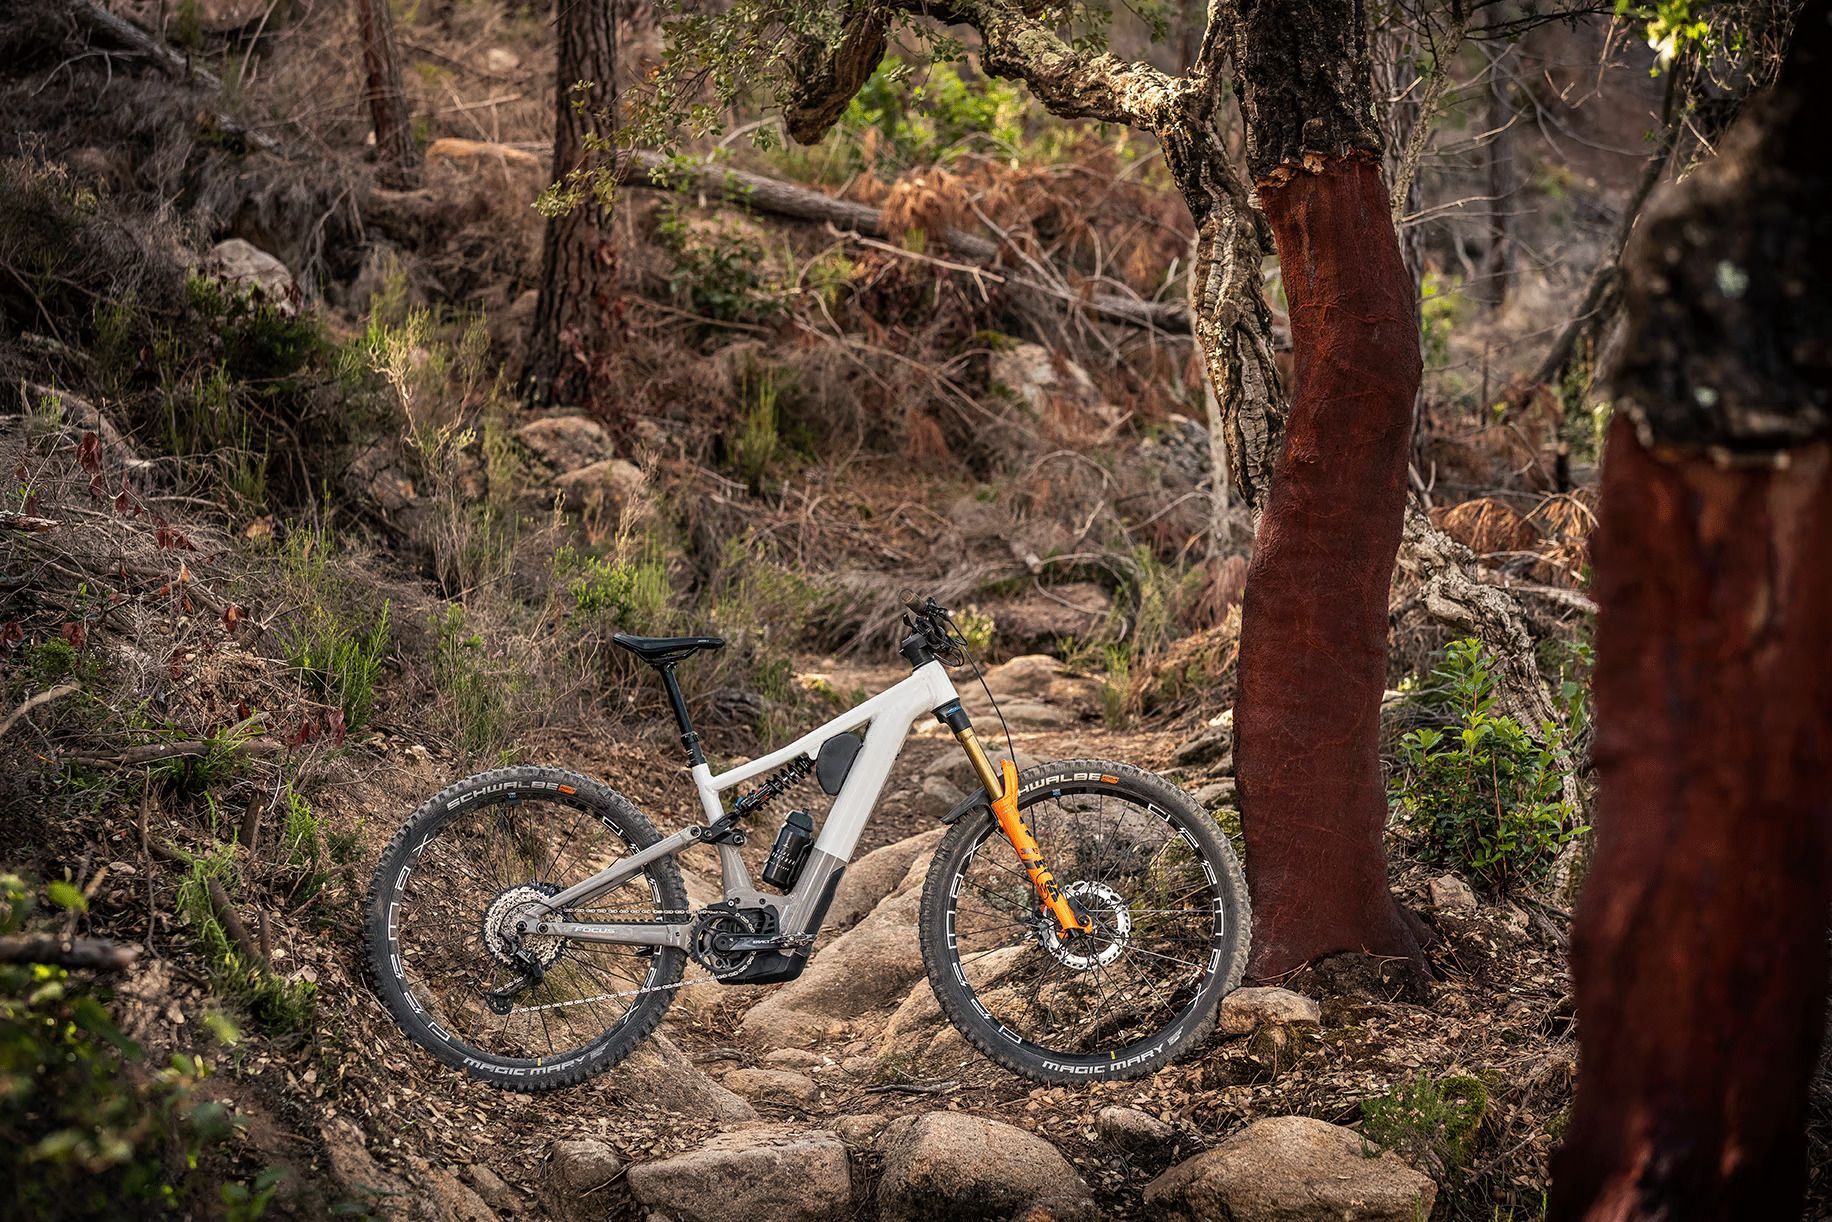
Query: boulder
{"x": 1215, "y": 794}
{"x": 246, "y": 268}
{"x": 953, "y": 1165}
{"x": 1245, "y": 1011}
{"x": 443, "y": 1197}
{"x": 751, "y": 1173}
{"x": 1045, "y": 680}
{"x": 501, "y": 61}
{"x": 601, "y": 490}
{"x": 566, "y": 443}
{"x": 1206, "y": 748}
{"x": 872, "y": 877}
{"x": 354, "y": 1170}
{"x": 1042, "y": 618}
{"x": 659, "y": 1075}
{"x": 575, "y": 1184}
{"x": 1294, "y": 1169}
{"x": 1036, "y": 376}
{"x": 1131, "y": 1131}
{"x": 953, "y": 769}
{"x": 861, "y": 1130}
{"x": 1452, "y": 894}
{"x": 869, "y": 967}
{"x": 496, "y": 1193}
{"x": 772, "y": 1086}
{"x": 794, "y": 1058}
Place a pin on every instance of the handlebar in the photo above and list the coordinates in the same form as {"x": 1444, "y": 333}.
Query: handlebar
{"x": 918, "y": 605}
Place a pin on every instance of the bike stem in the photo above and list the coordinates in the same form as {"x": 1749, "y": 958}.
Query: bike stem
{"x": 1002, "y": 788}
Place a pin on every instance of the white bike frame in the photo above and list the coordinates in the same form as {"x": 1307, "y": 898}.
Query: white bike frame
{"x": 887, "y": 717}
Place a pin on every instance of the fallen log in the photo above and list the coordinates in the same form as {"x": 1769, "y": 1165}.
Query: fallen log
{"x": 98, "y": 953}
{"x": 778, "y": 198}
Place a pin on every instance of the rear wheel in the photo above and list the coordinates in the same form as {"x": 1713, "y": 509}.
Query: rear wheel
{"x": 1153, "y": 874}
{"x": 441, "y": 912}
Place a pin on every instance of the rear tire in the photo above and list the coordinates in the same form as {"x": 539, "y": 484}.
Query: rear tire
{"x": 1168, "y": 960}
{"x": 433, "y": 981}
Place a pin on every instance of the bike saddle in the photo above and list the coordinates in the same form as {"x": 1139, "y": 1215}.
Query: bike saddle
{"x": 661, "y": 650}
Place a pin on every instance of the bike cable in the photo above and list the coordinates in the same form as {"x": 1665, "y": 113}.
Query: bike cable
{"x": 960, "y": 638}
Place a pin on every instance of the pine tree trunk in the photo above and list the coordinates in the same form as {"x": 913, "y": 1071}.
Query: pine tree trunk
{"x": 575, "y": 308}
{"x": 1313, "y": 648}
{"x": 397, "y": 156}
{"x": 1699, "y": 953}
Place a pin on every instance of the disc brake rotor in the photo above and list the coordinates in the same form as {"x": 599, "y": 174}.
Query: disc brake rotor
{"x": 1112, "y": 921}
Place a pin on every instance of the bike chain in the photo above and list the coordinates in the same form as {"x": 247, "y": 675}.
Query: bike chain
{"x": 712, "y": 978}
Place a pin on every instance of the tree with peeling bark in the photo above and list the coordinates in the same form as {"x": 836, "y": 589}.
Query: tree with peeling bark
{"x": 397, "y": 154}
{"x": 575, "y": 309}
{"x": 1699, "y": 953}
{"x": 1329, "y": 483}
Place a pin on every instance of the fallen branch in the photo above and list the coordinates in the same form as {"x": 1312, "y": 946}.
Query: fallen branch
{"x": 98, "y": 953}
{"x": 231, "y": 921}
{"x": 32, "y": 702}
{"x": 134, "y": 757}
{"x": 778, "y": 198}
{"x": 21, "y": 521}
{"x": 172, "y": 63}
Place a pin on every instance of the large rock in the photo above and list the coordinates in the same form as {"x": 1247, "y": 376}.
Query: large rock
{"x": 353, "y": 1169}
{"x": 870, "y": 967}
{"x": 1131, "y": 1131}
{"x": 1452, "y": 894}
{"x": 952, "y": 770}
{"x": 1245, "y": 1011}
{"x": 952, "y": 1165}
{"x": 658, "y": 1074}
{"x": 1041, "y": 619}
{"x": 245, "y": 267}
{"x": 749, "y": 1174}
{"x": 875, "y": 875}
{"x": 1294, "y": 1169}
{"x": 1036, "y": 690}
{"x": 443, "y": 1197}
{"x": 1206, "y": 748}
{"x": 575, "y": 1184}
{"x": 566, "y": 443}
{"x": 773, "y": 1086}
{"x": 601, "y": 491}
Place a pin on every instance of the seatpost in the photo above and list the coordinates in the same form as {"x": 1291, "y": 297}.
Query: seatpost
{"x": 689, "y": 739}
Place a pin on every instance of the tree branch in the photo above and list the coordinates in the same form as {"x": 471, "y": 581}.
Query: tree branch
{"x": 1071, "y": 84}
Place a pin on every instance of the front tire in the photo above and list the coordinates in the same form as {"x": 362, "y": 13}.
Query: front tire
{"x": 487, "y": 843}
{"x": 1166, "y": 895}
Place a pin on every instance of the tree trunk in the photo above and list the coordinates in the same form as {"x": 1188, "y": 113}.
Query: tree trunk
{"x": 1699, "y": 954}
{"x": 397, "y": 156}
{"x": 574, "y": 311}
{"x": 1227, "y": 308}
{"x": 1313, "y": 645}
{"x": 1497, "y": 270}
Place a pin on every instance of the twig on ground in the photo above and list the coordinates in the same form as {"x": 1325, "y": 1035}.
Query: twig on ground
{"x": 32, "y": 702}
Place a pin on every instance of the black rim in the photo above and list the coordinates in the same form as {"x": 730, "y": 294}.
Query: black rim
{"x": 1101, "y": 1002}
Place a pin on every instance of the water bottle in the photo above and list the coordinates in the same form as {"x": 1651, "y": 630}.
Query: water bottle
{"x": 790, "y": 850}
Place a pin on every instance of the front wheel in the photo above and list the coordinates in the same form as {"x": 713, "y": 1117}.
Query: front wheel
{"x": 1160, "y": 885}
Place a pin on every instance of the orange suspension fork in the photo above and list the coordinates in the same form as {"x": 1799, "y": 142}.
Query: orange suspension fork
{"x": 1003, "y": 789}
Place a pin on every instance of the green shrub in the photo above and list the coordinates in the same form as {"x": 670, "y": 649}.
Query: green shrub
{"x": 718, "y": 270}
{"x": 1432, "y": 1123}
{"x": 327, "y": 641}
{"x": 1482, "y": 795}
{"x": 479, "y": 688}
{"x": 919, "y": 121}
{"x": 282, "y": 1007}
{"x": 86, "y": 1130}
{"x": 754, "y": 444}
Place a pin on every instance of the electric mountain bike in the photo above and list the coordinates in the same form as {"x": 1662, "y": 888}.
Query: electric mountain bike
{"x": 1079, "y": 921}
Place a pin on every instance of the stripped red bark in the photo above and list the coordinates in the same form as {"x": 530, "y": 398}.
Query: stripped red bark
{"x": 1699, "y": 955}
{"x": 1313, "y": 658}
{"x": 1699, "y": 950}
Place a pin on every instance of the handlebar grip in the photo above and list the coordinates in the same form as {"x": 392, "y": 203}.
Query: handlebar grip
{"x": 917, "y": 604}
